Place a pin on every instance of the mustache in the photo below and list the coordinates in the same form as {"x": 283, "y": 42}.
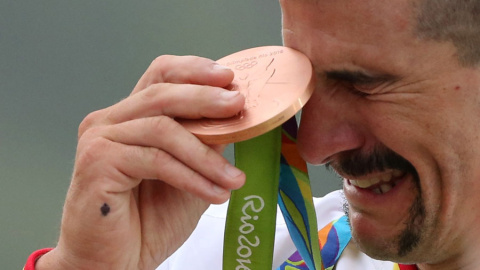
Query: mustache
{"x": 357, "y": 163}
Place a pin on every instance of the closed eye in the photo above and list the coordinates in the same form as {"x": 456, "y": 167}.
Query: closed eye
{"x": 358, "y": 82}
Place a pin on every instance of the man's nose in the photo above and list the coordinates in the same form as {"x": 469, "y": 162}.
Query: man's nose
{"x": 329, "y": 126}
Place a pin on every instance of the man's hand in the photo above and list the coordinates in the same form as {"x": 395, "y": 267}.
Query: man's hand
{"x": 114, "y": 218}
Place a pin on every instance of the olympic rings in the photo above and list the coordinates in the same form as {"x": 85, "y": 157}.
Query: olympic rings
{"x": 248, "y": 65}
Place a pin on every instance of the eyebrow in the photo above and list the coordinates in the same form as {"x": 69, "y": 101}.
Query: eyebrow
{"x": 357, "y": 77}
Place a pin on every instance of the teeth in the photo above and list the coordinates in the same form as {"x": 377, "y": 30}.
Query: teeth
{"x": 385, "y": 188}
{"x": 366, "y": 183}
{"x": 397, "y": 173}
{"x": 385, "y": 179}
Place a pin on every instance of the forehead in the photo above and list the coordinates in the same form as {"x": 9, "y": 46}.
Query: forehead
{"x": 351, "y": 32}
{"x": 352, "y": 19}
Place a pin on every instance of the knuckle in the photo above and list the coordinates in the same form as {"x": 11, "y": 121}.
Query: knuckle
{"x": 160, "y": 60}
{"x": 89, "y": 121}
{"x": 92, "y": 152}
{"x": 167, "y": 170}
{"x": 206, "y": 152}
{"x": 162, "y": 158}
{"x": 160, "y": 66}
{"x": 155, "y": 93}
{"x": 163, "y": 161}
{"x": 89, "y": 134}
{"x": 179, "y": 69}
{"x": 165, "y": 125}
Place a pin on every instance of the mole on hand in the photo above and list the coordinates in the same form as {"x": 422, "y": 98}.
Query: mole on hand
{"x": 105, "y": 209}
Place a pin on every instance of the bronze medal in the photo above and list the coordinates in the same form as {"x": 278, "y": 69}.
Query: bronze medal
{"x": 276, "y": 82}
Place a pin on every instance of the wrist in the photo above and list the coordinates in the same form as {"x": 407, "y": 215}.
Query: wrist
{"x": 48, "y": 261}
{"x": 56, "y": 259}
{"x": 35, "y": 257}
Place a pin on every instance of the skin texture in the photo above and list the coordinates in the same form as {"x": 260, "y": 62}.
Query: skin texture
{"x": 413, "y": 98}
{"x": 113, "y": 218}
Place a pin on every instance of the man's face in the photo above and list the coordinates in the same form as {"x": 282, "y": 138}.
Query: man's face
{"x": 398, "y": 118}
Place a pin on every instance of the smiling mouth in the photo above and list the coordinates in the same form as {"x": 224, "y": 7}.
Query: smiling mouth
{"x": 377, "y": 171}
{"x": 380, "y": 183}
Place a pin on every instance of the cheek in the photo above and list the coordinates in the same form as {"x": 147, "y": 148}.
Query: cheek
{"x": 401, "y": 126}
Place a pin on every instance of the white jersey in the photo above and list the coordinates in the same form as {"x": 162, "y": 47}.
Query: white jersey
{"x": 204, "y": 248}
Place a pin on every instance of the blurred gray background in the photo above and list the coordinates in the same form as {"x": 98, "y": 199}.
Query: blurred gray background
{"x": 60, "y": 60}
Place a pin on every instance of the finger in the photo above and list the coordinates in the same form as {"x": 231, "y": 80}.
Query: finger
{"x": 166, "y": 135}
{"x": 153, "y": 163}
{"x": 108, "y": 167}
{"x": 184, "y": 70}
{"x": 172, "y": 69}
{"x": 176, "y": 100}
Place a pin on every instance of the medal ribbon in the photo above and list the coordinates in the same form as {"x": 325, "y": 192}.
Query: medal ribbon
{"x": 334, "y": 238}
{"x": 296, "y": 199}
{"x": 251, "y": 219}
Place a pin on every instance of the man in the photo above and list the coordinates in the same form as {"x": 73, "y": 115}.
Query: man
{"x": 395, "y": 113}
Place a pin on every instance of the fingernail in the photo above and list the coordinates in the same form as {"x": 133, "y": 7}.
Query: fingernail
{"x": 229, "y": 94}
{"x": 232, "y": 171}
{"x": 220, "y": 67}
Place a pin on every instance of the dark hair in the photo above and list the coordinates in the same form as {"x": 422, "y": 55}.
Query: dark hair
{"x": 457, "y": 21}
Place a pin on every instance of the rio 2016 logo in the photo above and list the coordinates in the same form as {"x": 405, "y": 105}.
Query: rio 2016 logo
{"x": 246, "y": 240}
